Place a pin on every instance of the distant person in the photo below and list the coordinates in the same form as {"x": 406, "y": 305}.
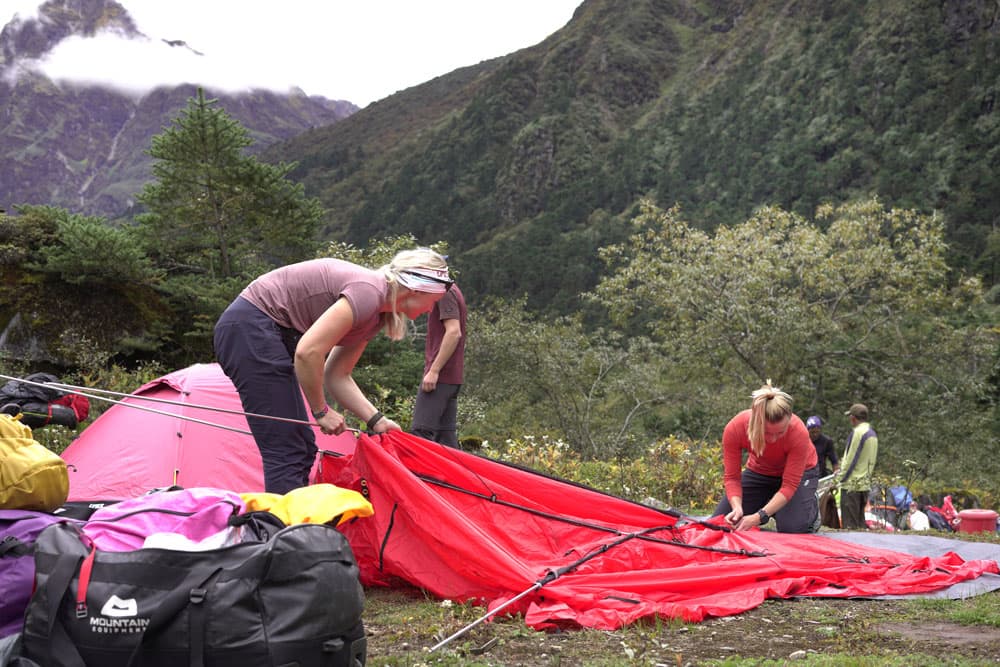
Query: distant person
{"x": 917, "y": 520}
{"x": 435, "y": 415}
{"x": 855, "y": 480}
{"x": 825, "y": 450}
{"x": 299, "y": 330}
{"x": 781, "y": 471}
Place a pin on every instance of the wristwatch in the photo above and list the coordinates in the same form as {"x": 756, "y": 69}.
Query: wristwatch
{"x": 319, "y": 414}
{"x": 764, "y": 517}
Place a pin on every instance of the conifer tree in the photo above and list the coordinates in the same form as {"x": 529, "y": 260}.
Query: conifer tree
{"x": 216, "y": 218}
{"x": 214, "y": 210}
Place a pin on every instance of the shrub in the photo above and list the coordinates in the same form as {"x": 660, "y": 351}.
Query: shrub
{"x": 680, "y": 473}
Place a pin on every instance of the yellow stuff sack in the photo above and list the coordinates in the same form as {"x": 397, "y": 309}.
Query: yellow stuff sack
{"x": 31, "y": 476}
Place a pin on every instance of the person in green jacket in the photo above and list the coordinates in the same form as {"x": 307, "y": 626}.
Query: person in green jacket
{"x": 858, "y": 463}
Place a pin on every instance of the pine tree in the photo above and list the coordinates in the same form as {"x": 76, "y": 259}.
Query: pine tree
{"x": 214, "y": 210}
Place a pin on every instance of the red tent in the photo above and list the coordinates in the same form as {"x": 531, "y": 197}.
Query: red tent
{"x": 469, "y": 528}
{"x": 133, "y": 447}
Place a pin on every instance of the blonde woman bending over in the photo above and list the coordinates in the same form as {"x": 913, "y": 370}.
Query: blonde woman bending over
{"x": 781, "y": 471}
{"x": 299, "y": 330}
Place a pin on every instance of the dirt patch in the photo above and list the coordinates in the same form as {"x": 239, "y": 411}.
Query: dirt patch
{"x": 952, "y": 634}
{"x": 785, "y": 631}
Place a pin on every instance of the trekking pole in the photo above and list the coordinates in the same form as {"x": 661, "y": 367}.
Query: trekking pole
{"x": 551, "y": 576}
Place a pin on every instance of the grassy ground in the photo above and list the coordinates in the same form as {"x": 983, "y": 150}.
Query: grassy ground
{"x": 403, "y": 624}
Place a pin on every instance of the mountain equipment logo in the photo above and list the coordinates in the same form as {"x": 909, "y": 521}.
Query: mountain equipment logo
{"x": 115, "y": 606}
{"x": 119, "y": 616}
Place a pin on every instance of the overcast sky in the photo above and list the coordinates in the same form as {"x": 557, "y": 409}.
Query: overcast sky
{"x": 355, "y": 50}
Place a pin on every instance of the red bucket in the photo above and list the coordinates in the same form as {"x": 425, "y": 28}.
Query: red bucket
{"x": 977, "y": 521}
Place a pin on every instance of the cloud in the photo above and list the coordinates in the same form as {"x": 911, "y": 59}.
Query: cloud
{"x": 358, "y": 51}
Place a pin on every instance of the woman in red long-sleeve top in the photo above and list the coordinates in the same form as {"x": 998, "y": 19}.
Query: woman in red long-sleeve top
{"x": 781, "y": 471}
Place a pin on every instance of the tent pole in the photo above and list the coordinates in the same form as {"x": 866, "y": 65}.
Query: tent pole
{"x": 552, "y": 576}
{"x": 484, "y": 617}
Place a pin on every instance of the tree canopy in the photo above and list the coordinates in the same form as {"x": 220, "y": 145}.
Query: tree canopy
{"x": 851, "y": 307}
{"x": 216, "y": 218}
{"x": 216, "y": 211}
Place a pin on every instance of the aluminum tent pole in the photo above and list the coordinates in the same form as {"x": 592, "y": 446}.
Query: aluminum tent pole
{"x": 551, "y": 576}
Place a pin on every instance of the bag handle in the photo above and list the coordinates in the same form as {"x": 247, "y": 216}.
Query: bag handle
{"x": 56, "y": 587}
{"x": 191, "y": 591}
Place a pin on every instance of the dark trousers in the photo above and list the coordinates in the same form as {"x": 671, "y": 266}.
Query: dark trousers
{"x": 251, "y": 350}
{"x": 852, "y": 509}
{"x": 435, "y": 415}
{"x": 797, "y": 516}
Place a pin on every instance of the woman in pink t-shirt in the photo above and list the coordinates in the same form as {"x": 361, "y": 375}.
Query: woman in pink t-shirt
{"x": 781, "y": 471}
{"x": 297, "y": 332}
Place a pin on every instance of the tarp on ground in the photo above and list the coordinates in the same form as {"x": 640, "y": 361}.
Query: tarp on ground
{"x": 469, "y": 528}
{"x": 139, "y": 445}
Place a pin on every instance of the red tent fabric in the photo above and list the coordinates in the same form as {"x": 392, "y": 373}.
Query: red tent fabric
{"x": 468, "y": 528}
{"x": 133, "y": 448}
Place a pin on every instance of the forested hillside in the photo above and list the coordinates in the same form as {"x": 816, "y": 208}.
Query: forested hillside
{"x": 83, "y": 146}
{"x": 711, "y": 193}
{"x": 527, "y": 164}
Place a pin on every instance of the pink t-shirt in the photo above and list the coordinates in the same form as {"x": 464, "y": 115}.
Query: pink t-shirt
{"x": 450, "y": 307}
{"x": 787, "y": 457}
{"x": 296, "y": 295}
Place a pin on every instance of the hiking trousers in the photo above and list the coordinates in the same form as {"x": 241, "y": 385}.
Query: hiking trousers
{"x": 852, "y": 509}
{"x": 435, "y": 415}
{"x": 253, "y": 352}
{"x": 797, "y": 516}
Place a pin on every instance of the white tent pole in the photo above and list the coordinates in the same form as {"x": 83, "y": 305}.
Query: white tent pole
{"x": 534, "y": 587}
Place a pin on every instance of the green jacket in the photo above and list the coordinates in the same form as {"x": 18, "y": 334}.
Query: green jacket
{"x": 858, "y": 462}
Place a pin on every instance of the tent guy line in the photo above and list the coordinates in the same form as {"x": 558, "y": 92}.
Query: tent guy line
{"x": 85, "y": 391}
{"x": 606, "y": 529}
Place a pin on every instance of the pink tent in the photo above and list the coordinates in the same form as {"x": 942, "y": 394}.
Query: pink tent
{"x": 132, "y": 448}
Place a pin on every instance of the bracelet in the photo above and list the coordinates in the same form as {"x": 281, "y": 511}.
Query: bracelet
{"x": 319, "y": 414}
{"x": 375, "y": 419}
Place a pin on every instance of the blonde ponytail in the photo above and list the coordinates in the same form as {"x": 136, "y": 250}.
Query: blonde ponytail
{"x": 770, "y": 405}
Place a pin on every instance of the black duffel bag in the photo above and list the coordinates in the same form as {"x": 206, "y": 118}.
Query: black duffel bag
{"x": 294, "y": 599}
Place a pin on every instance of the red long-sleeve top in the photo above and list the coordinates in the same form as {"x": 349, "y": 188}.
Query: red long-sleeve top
{"x": 787, "y": 457}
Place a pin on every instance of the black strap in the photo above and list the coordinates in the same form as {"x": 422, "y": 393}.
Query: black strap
{"x": 373, "y": 420}
{"x": 176, "y": 601}
{"x": 56, "y": 587}
{"x": 857, "y": 455}
{"x": 197, "y": 620}
{"x": 13, "y": 547}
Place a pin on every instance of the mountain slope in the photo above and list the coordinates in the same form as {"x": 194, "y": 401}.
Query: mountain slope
{"x": 528, "y": 163}
{"x": 83, "y": 147}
